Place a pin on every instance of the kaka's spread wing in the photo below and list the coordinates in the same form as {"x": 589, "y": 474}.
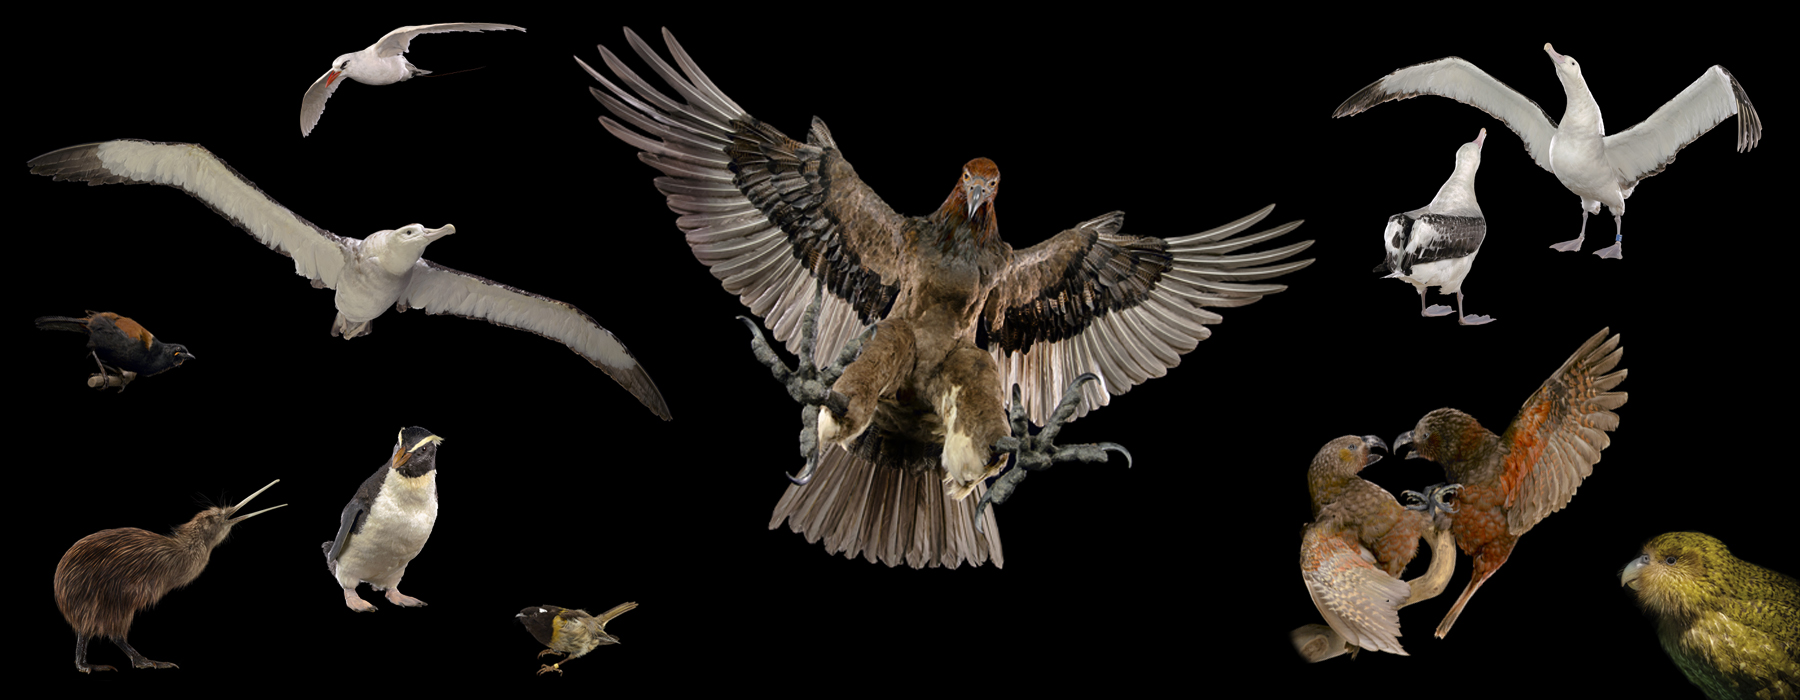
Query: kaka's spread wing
{"x": 1557, "y": 437}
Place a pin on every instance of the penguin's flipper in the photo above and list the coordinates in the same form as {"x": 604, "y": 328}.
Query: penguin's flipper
{"x": 355, "y": 512}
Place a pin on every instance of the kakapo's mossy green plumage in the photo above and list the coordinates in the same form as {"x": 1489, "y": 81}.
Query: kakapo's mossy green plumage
{"x": 1732, "y": 627}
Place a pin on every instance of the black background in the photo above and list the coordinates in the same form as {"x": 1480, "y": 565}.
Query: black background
{"x": 559, "y": 488}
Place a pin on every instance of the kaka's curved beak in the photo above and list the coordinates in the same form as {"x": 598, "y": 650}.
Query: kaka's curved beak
{"x": 1402, "y": 442}
{"x": 240, "y": 505}
{"x": 1629, "y": 575}
{"x": 1373, "y": 442}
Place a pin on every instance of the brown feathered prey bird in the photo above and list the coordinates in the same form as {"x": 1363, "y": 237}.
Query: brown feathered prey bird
{"x": 107, "y": 577}
{"x": 1358, "y": 545}
{"x": 920, "y": 418}
{"x": 1505, "y": 484}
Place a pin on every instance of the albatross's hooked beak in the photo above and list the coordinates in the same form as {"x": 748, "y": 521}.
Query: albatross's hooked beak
{"x": 240, "y": 505}
{"x": 1480, "y": 138}
{"x": 434, "y": 234}
{"x": 1555, "y": 57}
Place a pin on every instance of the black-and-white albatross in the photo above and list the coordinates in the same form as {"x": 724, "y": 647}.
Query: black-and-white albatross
{"x": 370, "y": 274}
{"x": 1600, "y": 168}
{"x": 1435, "y": 245}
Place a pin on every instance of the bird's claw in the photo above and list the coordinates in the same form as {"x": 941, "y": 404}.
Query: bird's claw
{"x": 546, "y": 668}
{"x": 1435, "y": 498}
{"x": 1032, "y": 453}
{"x": 807, "y": 383}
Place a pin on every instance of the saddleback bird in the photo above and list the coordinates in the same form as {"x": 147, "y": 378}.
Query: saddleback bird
{"x": 919, "y": 419}
{"x": 1598, "y": 167}
{"x": 107, "y": 577}
{"x": 1353, "y": 553}
{"x": 1435, "y": 246}
{"x": 571, "y": 632}
{"x": 370, "y": 274}
{"x": 382, "y": 63}
{"x": 386, "y": 524}
{"x": 1504, "y": 484}
{"x": 1732, "y": 627}
{"x": 120, "y": 345}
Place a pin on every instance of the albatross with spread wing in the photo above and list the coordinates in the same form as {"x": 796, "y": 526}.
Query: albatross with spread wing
{"x": 919, "y": 419}
{"x": 1600, "y": 168}
{"x": 369, "y": 274}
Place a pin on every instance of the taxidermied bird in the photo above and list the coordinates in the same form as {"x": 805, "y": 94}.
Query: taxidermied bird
{"x": 380, "y": 64}
{"x": 1505, "y": 484}
{"x": 371, "y": 275}
{"x": 121, "y": 345}
{"x": 1732, "y": 627}
{"x": 386, "y": 524}
{"x": 571, "y": 632}
{"x": 1600, "y": 168}
{"x": 919, "y": 419}
{"x": 1435, "y": 246}
{"x": 107, "y": 577}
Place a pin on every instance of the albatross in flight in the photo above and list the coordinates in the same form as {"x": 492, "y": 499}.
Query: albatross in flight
{"x": 907, "y": 436}
{"x": 369, "y": 274}
{"x": 1598, "y": 167}
{"x": 380, "y": 64}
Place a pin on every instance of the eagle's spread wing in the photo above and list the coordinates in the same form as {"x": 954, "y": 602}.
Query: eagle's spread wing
{"x": 318, "y": 254}
{"x": 1557, "y": 437}
{"x": 1122, "y": 307}
{"x": 770, "y": 216}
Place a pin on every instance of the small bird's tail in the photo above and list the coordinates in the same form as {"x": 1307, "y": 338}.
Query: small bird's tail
{"x": 62, "y": 323}
{"x": 617, "y": 610}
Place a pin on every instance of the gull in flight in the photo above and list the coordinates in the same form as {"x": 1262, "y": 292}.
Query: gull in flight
{"x": 380, "y": 64}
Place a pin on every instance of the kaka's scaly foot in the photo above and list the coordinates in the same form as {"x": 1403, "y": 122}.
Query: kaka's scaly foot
{"x": 1435, "y": 501}
{"x": 1032, "y": 453}
{"x": 807, "y": 383}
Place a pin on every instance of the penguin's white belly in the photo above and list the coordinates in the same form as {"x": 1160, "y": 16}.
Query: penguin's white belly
{"x": 393, "y": 533}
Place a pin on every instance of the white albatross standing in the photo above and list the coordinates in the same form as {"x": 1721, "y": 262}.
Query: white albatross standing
{"x": 1599, "y": 168}
{"x": 369, "y": 274}
{"x": 1435, "y": 246}
{"x": 380, "y": 64}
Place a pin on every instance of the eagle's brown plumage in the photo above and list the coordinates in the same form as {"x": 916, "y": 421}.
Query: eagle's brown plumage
{"x": 775, "y": 219}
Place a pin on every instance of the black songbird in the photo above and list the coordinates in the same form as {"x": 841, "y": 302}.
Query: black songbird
{"x": 121, "y": 345}
{"x": 571, "y": 632}
{"x": 387, "y": 522}
{"x": 107, "y": 577}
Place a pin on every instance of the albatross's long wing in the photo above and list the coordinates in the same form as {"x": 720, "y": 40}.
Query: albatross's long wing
{"x": 1122, "y": 307}
{"x": 1645, "y": 149}
{"x": 1460, "y": 80}
{"x": 441, "y": 290}
{"x": 312, "y": 104}
{"x": 318, "y": 254}
{"x": 398, "y": 41}
{"x": 770, "y": 216}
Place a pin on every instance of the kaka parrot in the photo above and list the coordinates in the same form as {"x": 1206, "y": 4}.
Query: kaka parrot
{"x": 1505, "y": 484}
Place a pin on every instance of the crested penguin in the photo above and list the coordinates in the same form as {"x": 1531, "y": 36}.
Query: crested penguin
{"x": 387, "y": 522}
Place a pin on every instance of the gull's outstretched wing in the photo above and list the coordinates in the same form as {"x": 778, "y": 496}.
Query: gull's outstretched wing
{"x": 1645, "y": 149}
{"x": 441, "y": 290}
{"x": 1122, "y": 307}
{"x": 318, "y": 254}
{"x": 1460, "y": 80}
{"x": 400, "y": 40}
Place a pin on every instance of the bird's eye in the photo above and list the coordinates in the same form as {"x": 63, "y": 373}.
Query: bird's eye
{"x": 1669, "y": 559}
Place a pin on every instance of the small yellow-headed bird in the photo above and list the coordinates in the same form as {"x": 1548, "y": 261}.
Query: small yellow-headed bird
{"x": 1732, "y": 627}
{"x": 572, "y": 632}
